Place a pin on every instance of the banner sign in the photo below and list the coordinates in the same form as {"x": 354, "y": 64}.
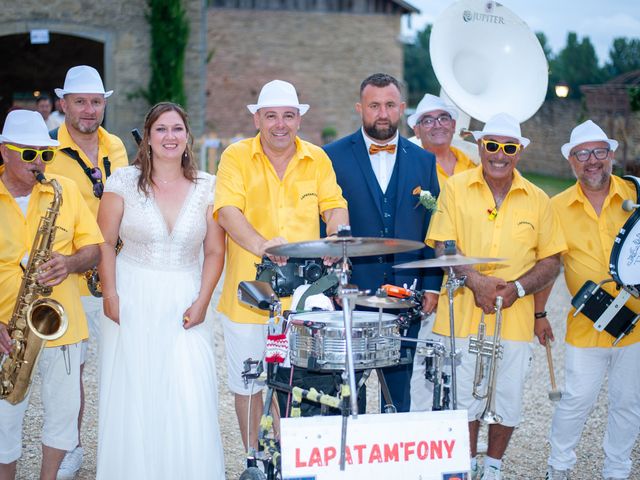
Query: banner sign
{"x": 415, "y": 445}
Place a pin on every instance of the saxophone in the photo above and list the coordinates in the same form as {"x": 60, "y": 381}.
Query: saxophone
{"x": 35, "y": 319}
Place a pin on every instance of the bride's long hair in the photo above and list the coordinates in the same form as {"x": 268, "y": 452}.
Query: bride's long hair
{"x": 144, "y": 158}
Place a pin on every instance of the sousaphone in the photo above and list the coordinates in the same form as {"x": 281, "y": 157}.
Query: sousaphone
{"x": 488, "y": 61}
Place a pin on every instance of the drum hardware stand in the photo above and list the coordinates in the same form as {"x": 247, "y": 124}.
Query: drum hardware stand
{"x": 453, "y": 283}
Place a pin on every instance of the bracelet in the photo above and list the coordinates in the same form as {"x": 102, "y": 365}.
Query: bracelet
{"x": 541, "y": 314}
{"x": 110, "y": 297}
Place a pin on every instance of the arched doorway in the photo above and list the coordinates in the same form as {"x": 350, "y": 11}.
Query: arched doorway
{"x": 33, "y": 68}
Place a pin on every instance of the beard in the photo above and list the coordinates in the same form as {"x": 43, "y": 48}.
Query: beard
{"x": 597, "y": 183}
{"x": 84, "y": 128}
{"x": 381, "y": 134}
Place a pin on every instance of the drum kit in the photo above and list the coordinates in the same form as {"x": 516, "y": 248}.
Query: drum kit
{"x": 353, "y": 340}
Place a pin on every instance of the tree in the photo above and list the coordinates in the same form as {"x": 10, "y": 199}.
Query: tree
{"x": 624, "y": 56}
{"x": 418, "y": 71}
{"x": 553, "y": 75}
{"x": 169, "y": 37}
{"x": 577, "y": 64}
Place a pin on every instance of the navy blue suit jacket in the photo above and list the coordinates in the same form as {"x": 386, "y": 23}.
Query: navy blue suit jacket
{"x": 415, "y": 167}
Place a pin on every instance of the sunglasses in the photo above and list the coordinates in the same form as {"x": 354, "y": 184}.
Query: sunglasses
{"x": 30, "y": 154}
{"x": 430, "y": 122}
{"x": 509, "y": 149}
{"x": 599, "y": 153}
{"x": 98, "y": 186}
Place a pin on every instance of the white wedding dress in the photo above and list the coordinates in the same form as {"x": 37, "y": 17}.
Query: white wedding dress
{"x": 158, "y": 389}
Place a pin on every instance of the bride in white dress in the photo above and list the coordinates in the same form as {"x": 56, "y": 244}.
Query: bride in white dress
{"x": 158, "y": 390}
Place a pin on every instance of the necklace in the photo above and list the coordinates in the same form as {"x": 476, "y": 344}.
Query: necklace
{"x": 165, "y": 182}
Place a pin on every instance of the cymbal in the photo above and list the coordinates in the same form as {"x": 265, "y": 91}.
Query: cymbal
{"x": 355, "y": 247}
{"x": 448, "y": 261}
{"x": 384, "y": 302}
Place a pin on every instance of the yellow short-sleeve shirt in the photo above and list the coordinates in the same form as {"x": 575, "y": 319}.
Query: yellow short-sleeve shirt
{"x": 590, "y": 239}
{"x": 109, "y": 146}
{"x": 78, "y": 228}
{"x": 288, "y": 208}
{"x": 463, "y": 163}
{"x": 524, "y": 231}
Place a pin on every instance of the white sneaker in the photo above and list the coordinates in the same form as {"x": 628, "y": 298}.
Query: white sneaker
{"x": 476, "y": 473}
{"x": 70, "y": 465}
{"x": 492, "y": 473}
{"x": 553, "y": 474}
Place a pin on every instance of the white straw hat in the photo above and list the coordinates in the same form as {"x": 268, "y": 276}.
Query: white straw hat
{"x": 430, "y": 103}
{"x": 25, "y": 127}
{"x": 82, "y": 79}
{"x": 278, "y": 93}
{"x": 503, "y": 125}
{"x": 586, "y": 132}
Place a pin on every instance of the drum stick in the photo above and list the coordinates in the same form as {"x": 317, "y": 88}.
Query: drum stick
{"x": 554, "y": 394}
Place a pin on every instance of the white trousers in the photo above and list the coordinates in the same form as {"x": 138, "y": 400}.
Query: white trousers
{"x": 585, "y": 370}
{"x": 92, "y": 307}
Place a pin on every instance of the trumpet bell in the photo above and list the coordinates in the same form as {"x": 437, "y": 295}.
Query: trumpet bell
{"x": 488, "y": 61}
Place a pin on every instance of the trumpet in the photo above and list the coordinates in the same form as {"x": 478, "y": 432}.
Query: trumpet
{"x": 488, "y": 353}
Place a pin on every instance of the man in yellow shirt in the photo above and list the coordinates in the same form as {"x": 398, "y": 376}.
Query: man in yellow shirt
{"x": 25, "y": 147}
{"x": 88, "y": 154}
{"x": 271, "y": 189}
{"x": 492, "y": 211}
{"x": 592, "y": 216}
{"x": 434, "y": 123}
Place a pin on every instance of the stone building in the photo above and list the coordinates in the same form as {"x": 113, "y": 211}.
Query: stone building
{"x": 324, "y": 47}
{"x": 112, "y": 36}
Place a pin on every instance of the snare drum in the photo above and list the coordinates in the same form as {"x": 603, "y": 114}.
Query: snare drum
{"x": 624, "y": 263}
{"x": 317, "y": 340}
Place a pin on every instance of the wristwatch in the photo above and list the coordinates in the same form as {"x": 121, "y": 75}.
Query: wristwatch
{"x": 519, "y": 289}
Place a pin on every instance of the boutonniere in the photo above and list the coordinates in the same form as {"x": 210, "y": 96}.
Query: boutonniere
{"x": 493, "y": 213}
{"x": 425, "y": 199}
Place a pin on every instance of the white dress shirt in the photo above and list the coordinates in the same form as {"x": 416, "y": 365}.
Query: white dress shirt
{"x": 382, "y": 162}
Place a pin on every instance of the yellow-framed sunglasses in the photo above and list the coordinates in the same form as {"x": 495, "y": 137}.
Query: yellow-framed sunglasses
{"x": 30, "y": 154}
{"x": 509, "y": 149}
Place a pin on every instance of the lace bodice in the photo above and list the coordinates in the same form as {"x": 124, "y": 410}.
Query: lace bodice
{"x": 144, "y": 233}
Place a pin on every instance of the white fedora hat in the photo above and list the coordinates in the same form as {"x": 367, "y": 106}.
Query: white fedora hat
{"x": 586, "y": 132}
{"x": 503, "y": 125}
{"x": 82, "y": 79}
{"x": 430, "y": 103}
{"x": 278, "y": 93}
{"x": 25, "y": 127}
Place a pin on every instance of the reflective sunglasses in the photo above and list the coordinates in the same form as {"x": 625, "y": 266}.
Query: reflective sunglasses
{"x": 98, "y": 186}
{"x": 429, "y": 122}
{"x": 599, "y": 153}
{"x": 30, "y": 154}
{"x": 509, "y": 149}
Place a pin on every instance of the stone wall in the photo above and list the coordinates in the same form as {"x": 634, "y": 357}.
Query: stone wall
{"x": 551, "y": 127}
{"x": 325, "y": 56}
{"x": 121, "y": 26}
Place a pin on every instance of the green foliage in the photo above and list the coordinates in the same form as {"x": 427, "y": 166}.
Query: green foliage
{"x": 550, "y": 184}
{"x": 553, "y": 75}
{"x": 169, "y": 37}
{"x": 577, "y": 64}
{"x": 634, "y": 98}
{"x": 624, "y": 56}
{"x": 418, "y": 72}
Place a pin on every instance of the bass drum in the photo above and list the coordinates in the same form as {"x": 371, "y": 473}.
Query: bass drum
{"x": 317, "y": 340}
{"x": 624, "y": 263}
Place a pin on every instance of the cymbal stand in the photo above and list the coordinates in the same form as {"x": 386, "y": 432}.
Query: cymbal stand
{"x": 453, "y": 283}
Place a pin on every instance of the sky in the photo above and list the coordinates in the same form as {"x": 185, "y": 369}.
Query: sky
{"x": 601, "y": 20}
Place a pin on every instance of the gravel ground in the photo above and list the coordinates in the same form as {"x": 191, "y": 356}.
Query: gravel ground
{"x": 525, "y": 458}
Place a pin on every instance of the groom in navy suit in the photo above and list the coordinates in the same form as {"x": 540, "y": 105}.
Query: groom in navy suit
{"x": 380, "y": 172}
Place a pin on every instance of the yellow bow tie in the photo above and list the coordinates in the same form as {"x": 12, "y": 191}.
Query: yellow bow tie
{"x": 373, "y": 149}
